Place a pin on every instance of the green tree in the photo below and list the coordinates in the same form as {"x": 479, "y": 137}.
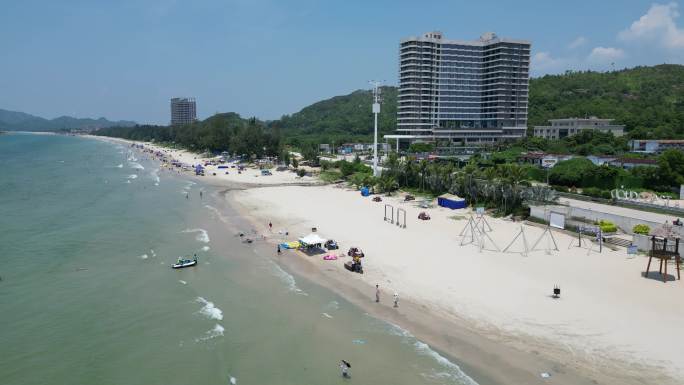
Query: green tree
{"x": 388, "y": 184}
{"x": 671, "y": 167}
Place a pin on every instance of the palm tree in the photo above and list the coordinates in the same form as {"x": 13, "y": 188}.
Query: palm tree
{"x": 409, "y": 171}
{"x": 392, "y": 164}
{"x": 388, "y": 184}
{"x": 422, "y": 168}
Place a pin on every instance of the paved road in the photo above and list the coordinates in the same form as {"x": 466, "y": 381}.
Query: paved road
{"x": 632, "y": 213}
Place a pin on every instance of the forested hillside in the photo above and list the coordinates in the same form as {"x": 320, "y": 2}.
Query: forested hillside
{"x": 217, "y": 133}
{"x": 648, "y": 100}
{"x": 341, "y": 118}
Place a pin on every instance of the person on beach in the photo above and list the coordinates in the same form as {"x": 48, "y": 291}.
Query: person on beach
{"x": 200, "y": 194}
{"x": 278, "y": 249}
{"x": 396, "y": 299}
{"x": 377, "y": 293}
{"x": 187, "y": 196}
{"x": 270, "y": 226}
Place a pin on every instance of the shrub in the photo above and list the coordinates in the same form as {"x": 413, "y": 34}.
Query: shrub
{"x": 607, "y": 226}
{"x": 560, "y": 188}
{"x": 596, "y": 192}
{"x": 301, "y": 172}
{"x": 641, "y": 229}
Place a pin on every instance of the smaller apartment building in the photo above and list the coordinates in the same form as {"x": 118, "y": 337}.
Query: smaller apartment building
{"x": 561, "y": 128}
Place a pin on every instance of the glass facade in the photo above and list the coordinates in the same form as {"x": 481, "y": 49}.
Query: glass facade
{"x": 463, "y": 91}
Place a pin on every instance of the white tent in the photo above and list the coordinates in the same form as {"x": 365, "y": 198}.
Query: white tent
{"x": 312, "y": 239}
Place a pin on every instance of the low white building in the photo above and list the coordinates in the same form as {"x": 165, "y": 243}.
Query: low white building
{"x": 654, "y": 146}
{"x": 561, "y": 128}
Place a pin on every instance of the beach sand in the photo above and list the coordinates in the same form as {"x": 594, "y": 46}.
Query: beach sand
{"x": 248, "y": 177}
{"x": 610, "y": 325}
{"x": 491, "y": 311}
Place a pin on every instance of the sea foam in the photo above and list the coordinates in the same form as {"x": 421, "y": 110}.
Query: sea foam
{"x": 216, "y": 331}
{"x": 287, "y": 279}
{"x": 202, "y": 236}
{"x": 155, "y": 176}
{"x": 136, "y": 165}
{"x": 205, "y": 248}
{"x": 452, "y": 370}
{"x": 209, "y": 310}
{"x": 132, "y": 176}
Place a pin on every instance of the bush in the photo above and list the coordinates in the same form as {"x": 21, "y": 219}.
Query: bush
{"x": 301, "y": 172}
{"x": 607, "y": 226}
{"x": 596, "y": 192}
{"x": 560, "y": 188}
{"x": 641, "y": 229}
{"x": 421, "y": 147}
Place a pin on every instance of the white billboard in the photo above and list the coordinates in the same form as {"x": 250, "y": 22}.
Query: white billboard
{"x": 557, "y": 220}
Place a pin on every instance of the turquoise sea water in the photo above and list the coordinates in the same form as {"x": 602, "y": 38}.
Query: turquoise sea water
{"x": 88, "y": 231}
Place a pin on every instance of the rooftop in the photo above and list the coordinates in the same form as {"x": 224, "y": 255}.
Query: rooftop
{"x": 486, "y": 38}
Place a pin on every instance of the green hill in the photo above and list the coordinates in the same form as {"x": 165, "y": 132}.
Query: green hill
{"x": 648, "y": 100}
{"x": 20, "y": 121}
{"x": 341, "y": 118}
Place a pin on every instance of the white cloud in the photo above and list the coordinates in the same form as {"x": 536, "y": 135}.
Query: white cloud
{"x": 544, "y": 61}
{"x": 657, "y": 25}
{"x": 605, "y": 54}
{"x": 580, "y": 41}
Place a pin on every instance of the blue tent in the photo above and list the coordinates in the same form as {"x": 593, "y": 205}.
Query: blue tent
{"x": 451, "y": 201}
{"x": 365, "y": 191}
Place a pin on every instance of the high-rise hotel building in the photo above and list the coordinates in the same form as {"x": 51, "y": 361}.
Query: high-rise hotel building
{"x": 183, "y": 111}
{"x": 463, "y": 92}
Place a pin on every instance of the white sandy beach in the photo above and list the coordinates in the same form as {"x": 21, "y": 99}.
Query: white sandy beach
{"x": 610, "y": 323}
{"x": 248, "y": 176}
{"x": 608, "y": 314}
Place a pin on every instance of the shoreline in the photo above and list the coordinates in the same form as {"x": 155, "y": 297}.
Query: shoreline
{"x": 492, "y": 354}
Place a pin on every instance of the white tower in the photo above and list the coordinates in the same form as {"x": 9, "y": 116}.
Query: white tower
{"x": 376, "y": 111}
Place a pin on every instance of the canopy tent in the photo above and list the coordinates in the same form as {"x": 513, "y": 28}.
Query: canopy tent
{"x": 451, "y": 201}
{"x": 312, "y": 240}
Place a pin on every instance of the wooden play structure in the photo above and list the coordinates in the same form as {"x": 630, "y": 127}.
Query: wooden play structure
{"x": 664, "y": 251}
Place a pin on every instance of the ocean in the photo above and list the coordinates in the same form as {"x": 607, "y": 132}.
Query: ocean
{"x": 88, "y": 231}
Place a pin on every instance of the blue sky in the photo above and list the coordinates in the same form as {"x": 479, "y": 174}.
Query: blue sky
{"x": 124, "y": 59}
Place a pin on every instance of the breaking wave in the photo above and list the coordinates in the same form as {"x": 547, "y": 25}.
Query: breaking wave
{"x": 205, "y": 248}
{"x": 209, "y": 310}
{"x": 452, "y": 370}
{"x": 217, "y": 331}
{"x": 132, "y": 176}
{"x": 287, "y": 279}
{"x": 203, "y": 235}
{"x": 136, "y": 165}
